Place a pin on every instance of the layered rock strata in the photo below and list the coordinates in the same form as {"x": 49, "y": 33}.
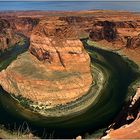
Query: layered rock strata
{"x": 57, "y": 70}
{"x": 31, "y": 74}
{"x": 12, "y": 29}
{"x": 126, "y": 124}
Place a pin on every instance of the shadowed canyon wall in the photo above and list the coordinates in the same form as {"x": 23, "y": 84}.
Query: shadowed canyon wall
{"x": 55, "y": 49}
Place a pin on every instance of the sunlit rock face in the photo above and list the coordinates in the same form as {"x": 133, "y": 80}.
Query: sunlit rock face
{"x": 55, "y": 71}
{"x": 126, "y": 124}
{"x": 56, "y": 43}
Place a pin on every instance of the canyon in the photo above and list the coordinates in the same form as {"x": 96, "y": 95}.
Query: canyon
{"x": 56, "y": 70}
{"x": 55, "y": 77}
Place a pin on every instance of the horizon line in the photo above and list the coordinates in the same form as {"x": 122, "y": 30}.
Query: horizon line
{"x": 69, "y": 0}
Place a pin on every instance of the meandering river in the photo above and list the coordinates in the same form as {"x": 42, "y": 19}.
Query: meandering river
{"x": 112, "y": 77}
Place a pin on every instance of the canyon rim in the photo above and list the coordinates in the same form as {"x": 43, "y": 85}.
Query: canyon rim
{"x": 68, "y": 74}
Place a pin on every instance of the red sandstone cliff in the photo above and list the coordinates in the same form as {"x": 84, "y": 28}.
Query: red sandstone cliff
{"x": 12, "y": 27}
{"x": 127, "y": 122}
{"x": 56, "y": 72}
{"x": 112, "y": 29}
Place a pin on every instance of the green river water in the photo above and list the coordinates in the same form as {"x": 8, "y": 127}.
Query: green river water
{"x": 117, "y": 74}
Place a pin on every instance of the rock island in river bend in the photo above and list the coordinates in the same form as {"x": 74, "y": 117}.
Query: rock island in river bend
{"x": 44, "y": 64}
{"x": 56, "y": 70}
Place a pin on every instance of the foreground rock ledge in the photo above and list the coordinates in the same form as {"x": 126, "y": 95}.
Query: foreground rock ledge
{"x": 57, "y": 70}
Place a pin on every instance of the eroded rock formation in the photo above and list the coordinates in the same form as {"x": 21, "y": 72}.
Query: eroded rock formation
{"x": 103, "y": 30}
{"x": 11, "y": 30}
{"x": 126, "y": 124}
{"x": 57, "y": 71}
{"x": 116, "y": 33}
{"x": 133, "y": 42}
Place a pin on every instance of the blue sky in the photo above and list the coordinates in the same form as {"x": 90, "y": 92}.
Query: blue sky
{"x": 71, "y": 0}
{"x": 70, "y": 6}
